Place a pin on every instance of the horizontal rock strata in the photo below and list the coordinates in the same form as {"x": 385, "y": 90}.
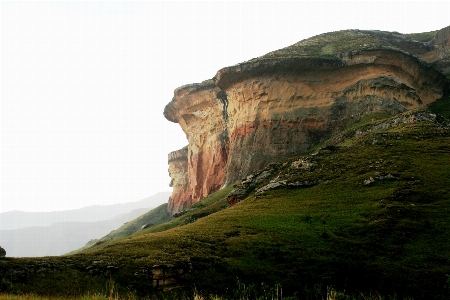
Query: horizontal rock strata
{"x": 178, "y": 167}
{"x": 259, "y": 112}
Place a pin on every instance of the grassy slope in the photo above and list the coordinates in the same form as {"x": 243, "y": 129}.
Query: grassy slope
{"x": 388, "y": 236}
{"x": 329, "y": 44}
{"x": 423, "y": 36}
{"x": 441, "y": 107}
{"x": 154, "y": 217}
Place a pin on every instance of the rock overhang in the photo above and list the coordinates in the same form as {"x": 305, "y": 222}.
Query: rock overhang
{"x": 242, "y": 118}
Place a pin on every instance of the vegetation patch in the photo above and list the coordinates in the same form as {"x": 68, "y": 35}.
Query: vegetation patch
{"x": 422, "y": 37}
{"x": 441, "y": 107}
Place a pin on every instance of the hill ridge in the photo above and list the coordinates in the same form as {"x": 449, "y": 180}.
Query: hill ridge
{"x": 20, "y": 219}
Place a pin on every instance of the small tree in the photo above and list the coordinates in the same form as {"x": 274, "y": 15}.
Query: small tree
{"x": 2, "y": 252}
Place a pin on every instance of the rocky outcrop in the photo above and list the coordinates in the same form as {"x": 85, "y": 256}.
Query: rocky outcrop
{"x": 159, "y": 277}
{"x": 439, "y": 55}
{"x": 178, "y": 172}
{"x": 435, "y": 50}
{"x": 200, "y": 109}
{"x": 2, "y": 252}
{"x": 277, "y": 106}
{"x": 297, "y": 173}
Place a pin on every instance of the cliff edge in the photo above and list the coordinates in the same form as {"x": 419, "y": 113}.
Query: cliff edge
{"x": 279, "y": 105}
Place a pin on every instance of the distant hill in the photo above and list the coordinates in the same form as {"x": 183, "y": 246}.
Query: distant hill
{"x": 148, "y": 219}
{"x": 62, "y": 237}
{"x": 59, "y": 238}
{"x": 21, "y": 219}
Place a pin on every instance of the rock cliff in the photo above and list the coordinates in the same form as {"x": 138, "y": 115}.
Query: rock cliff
{"x": 281, "y": 104}
{"x": 178, "y": 172}
{"x": 439, "y": 54}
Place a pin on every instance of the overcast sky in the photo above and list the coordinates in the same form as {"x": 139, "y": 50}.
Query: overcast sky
{"x": 84, "y": 84}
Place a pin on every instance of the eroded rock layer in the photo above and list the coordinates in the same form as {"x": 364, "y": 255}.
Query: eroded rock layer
{"x": 439, "y": 56}
{"x": 264, "y": 110}
{"x": 178, "y": 168}
{"x": 199, "y": 109}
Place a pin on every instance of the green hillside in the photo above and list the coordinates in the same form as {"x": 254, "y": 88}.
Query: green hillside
{"x": 327, "y": 45}
{"x": 366, "y": 213}
{"x": 422, "y": 37}
{"x": 154, "y": 217}
{"x": 332, "y": 44}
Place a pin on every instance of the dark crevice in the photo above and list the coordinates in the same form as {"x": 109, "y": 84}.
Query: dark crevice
{"x": 222, "y": 96}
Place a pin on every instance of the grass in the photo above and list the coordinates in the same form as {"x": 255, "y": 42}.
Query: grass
{"x": 36, "y": 297}
{"x": 390, "y": 236}
{"x": 422, "y": 37}
{"x": 331, "y": 44}
{"x": 328, "y": 45}
{"x": 153, "y": 218}
{"x": 242, "y": 293}
{"x": 441, "y": 107}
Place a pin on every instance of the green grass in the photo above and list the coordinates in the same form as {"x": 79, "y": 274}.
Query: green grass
{"x": 36, "y": 297}
{"x": 422, "y": 37}
{"x": 441, "y": 107}
{"x": 331, "y": 44}
{"x": 389, "y": 237}
{"x": 242, "y": 291}
{"x": 328, "y": 45}
{"x": 153, "y": 218}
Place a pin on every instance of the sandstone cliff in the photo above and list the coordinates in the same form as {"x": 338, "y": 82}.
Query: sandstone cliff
{"x": 178, "y": 167}
{"x": 439, "y": 55}
{"x": 282, "y": 103}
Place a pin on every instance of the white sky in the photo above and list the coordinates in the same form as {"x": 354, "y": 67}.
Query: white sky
{"x": 84, "y": 84}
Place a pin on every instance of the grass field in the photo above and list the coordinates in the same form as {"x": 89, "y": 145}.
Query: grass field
{"x": 245, "y": 294}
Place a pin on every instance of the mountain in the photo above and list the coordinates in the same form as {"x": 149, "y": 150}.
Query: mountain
{"x": 318, "y": 171}
{"x": 59, "y": 238}
{"x": 144, "y": 220}
{"x": 64, "y": 237}
{"x": 20, "y": 219}
{"x": 283, "y": 103}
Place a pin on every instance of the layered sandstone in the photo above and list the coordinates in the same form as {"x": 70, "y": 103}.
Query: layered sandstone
{"x": 178, "y": 168}
{"x": 439, "y": 55}
{"x": 281, "y": 104}
{"x": 199, "y": 109}
{"x": 435, "y": 51}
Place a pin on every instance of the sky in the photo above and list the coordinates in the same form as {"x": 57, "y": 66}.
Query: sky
{"x": 84, "y": 84}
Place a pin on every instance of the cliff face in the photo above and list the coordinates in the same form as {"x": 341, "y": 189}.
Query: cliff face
{"x": 434, "y": 48}
{"x": 199, "y": 109}
{"x": 178, "y": 168}
{"x": 281, "y": 104}
{"x": 439, "y": 55}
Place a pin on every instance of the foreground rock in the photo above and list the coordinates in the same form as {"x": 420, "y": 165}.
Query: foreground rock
{"x": 160, "y": 277}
